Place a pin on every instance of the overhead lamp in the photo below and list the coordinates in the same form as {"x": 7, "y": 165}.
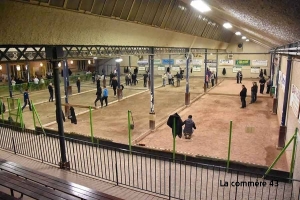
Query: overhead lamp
{"x": 41, "y": 64}
{"x": 18, "y": 67}
{"x": 89, "y": 62}
{"x": 200, "y": 5}
{"x": 244, "y": 37}
{"x": 59, "y": 64}
{"x": 71, "y": 62}
{"x": 119, "y": 59}
{"x": 227, "y": 25}
{"x": 0, "y": 67}
{"x": 247, "y": 40}
{"x": 238, "y": 33}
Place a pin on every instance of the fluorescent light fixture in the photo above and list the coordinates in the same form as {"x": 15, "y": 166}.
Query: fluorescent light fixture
{"x": 41, "y": 64}
{"x": 71, "y": 62}
{"x": 244, "y": 37}
{"x": 59, "y": 64}
{"x": 89, "y": 62}
{"x": 227, "y": 25}
{"x": 0, "y": 67}
{"x": 238, "y": 33}
{"x": 200, "y": 5}
{"x": 119, "y": 60}
{"x": 247, "y": 40}
{"x": 18, "y": 67}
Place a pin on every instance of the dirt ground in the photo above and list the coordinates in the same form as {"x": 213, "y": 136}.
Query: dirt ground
{"x": 212, "y": 115}
{"x": 111, "y": 122}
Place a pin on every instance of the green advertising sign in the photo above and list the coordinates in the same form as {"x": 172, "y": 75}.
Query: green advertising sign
{"x": 242, "y": 62}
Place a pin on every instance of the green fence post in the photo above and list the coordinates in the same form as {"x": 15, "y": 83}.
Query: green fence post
{"x": 293, "y": 154}
{"x": 229, "y": 146}
{"x": 33, "y": 116}
{"x": 277, "y": 158}
{"x": 2, "y": 113}
{"x": 91, "y": 125}
{"x": 174, "y": 136}
{"x": 37, "y": 116}
{"x": 129, "y": 131}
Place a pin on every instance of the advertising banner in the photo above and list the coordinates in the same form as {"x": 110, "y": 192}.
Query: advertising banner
{"x": 142, "y": 62}
{"x": 180, "y": 62}
{"x": 262, "y": 63}
{"x": 226, "y": 62}
{"x": 167, "y": 61}
{"x": 295, "y": 99}
{"x": 196, "y": 68}
{"x": 197, "y": 62}
{"x": 242, "y": 62}
{"x": 235, "y": 69}
{"x": 161, "y": 68}
{"x": 142, "y": 68}
{"x": 255, "y": 70}
{"x": 157, "y": 61}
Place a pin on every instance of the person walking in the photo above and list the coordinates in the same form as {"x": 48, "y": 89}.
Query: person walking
{"x": 78, "y": 84}
{"x": 243, "y": 95}
{"x": 212, "y": 78}
{"x": 50, "y": 88}
{"x": 262, "y": 82}
{"x": 169, "y": 78}
{"x": 98, "y": 93}
{"x": 114, "y": 85}
{"x": 164, "y": 77}
{"x": 189, "y": 126}
{"x": 105, "y": 96}
{"x": 253, "y": 92}
{"x": 26, "y": 100}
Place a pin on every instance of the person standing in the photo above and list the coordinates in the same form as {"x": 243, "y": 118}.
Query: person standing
{"x": 243, "y": 95}
{"x": 114, "y": 84}
{"x": 105, "y": 96}
{"x": 111, "y": 76}
{"x": 212, "y": 78}
{"x": 50, "y": 88}
{"x": 169, "y": 78}
{"x": 133, "y": 76}
{"x": 239, "y": 77}
{"x": 262, "y": 82}
{"x": 253, "y": 92}
{"x": 26, "y": 100}
{"x": 98, "y": 93}
{"x": 189, "y": 126}
{"x": 164, "y": 77}
{"x": 78, "y": 84}
{"x": 145, "y": 79}
{"x": 135, "y": 71}
{"x": 98, "y": 82}
{"x": 269, "y": 85}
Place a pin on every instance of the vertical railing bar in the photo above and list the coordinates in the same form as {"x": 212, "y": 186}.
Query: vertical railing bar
{"x": 74, "y": 158}
{"x": 212, "y": 182}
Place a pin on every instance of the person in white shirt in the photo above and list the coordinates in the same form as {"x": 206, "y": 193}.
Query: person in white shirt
{"x": 36, "y": 80}
{"x": 42, "y": 81}
{"x": 13, "y": 82}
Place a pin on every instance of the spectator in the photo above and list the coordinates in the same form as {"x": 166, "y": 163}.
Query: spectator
{"x": 78, "y": 84}
{"x": 36, "y": 80}
{"x": 50, "y": 89}
{"x": 105, "y": 96}
{"x": 243, "y": 95}
{"x": 189, "y": 127}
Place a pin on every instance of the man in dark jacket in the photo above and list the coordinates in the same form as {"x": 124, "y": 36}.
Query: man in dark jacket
{"x": 189, "y": 127}
{"x": 50, "y": 88}
{"x": 262, "y": 83}
{"x": 73, "y": 115}
{"x": 135, "y": 71}
{"x": 98, "y": 82}
{"x": 98, "y": 93}
{"x": 178, "y": 124}
{"x": 253, "y": 92}
{"x": 78, "y": 84}
{"x": 243, "y": 95}
{"x": 145, "y": 79}
{"x": 114, "y": 85}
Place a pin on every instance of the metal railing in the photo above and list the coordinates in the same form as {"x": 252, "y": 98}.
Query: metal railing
{"x": 160, "y": 175}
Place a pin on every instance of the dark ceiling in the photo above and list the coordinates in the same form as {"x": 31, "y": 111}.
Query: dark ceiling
{"x": 270, "y": 23}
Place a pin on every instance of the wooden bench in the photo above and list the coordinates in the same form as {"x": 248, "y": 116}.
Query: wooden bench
{"x": 37, "y": 185}
{"x": 4, "y": 196}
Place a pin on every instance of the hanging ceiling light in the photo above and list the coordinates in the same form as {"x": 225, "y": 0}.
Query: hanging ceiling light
{"x": 227, "y": 25}
{"x": 244, "y": 37}
{"x": 200, "y": 5}
{"x": 89, "y": 61}
{"x": 119, "y": 59}
{"x": 18, "y": 67}
{"x": 238, "y": 33}
{"x": 59, "y": 64}
{"x": 41, "y": 64}
{"x": 71, "y": 62}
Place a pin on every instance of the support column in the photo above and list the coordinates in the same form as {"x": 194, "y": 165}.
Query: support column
{"x": 283, "y": 128}
{"x": 119, "y": 90}
{"x": 129, "y": 60}
{"x": 217, "y": 65}
{"x": 205, "y": 70}
{"x": 65, "y": 81}
{"x": 275, "y": 100}
{"x": 64, "y": 164}
{"x": 9, "y": 80}
{"x": 152, "y": 112}
{"x": 187, "y": 85}
{"x": 28, "y": 72}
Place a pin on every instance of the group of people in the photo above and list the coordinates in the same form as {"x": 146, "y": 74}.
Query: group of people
{"x": 210, "y": 78}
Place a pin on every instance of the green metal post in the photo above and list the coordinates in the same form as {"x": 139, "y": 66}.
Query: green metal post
{"x": 277, "y": 158}
{"x": 37, "y": 116}
{"x": 33, "y": 116}
{"x": 174, "y": 136}
{"x": 91, "y": 125}
{"x": 129, "y": 131}
{"x": 293, "y": 154}
{"x": 2, "y": 113}
{"x": 229, "y": 146}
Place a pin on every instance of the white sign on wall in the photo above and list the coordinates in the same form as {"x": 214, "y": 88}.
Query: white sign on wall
{"x": 157, "y": 61}
{"x": 180, "y": 61}
{"x": 197, "y": 62}
{"x": 142, "y": 68}
{"x": 295, "y": 99}
{"x": 263, "y": 63}
{"x": 211, "y": 65}
{"x": 255, "y": 70}
{"x": 161, "y": 68}
{"x": 226, "y": 62}
{"x": 213, "y": 69}
{"x": 142, "y": 62}
{"x": 235, "y": 69}
{"x": 175, "y": 68}
{"x": 196, "y": 68}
